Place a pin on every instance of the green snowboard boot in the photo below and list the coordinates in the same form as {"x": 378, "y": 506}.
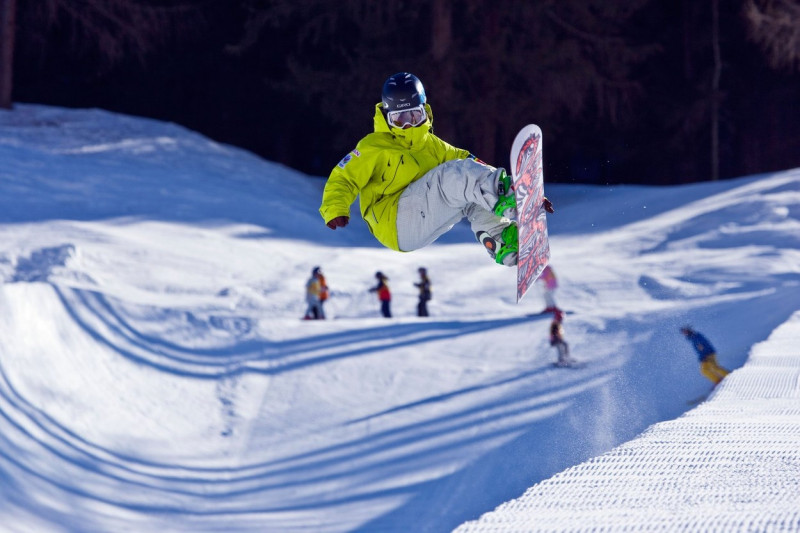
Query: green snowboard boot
{"x": 506, "y": 205}
{"x": 504, "y": 250}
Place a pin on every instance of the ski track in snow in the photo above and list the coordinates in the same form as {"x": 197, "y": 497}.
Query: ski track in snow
{"x": 155, "y": 375}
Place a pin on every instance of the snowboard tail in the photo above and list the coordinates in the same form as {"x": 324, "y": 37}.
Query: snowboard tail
{"x": 528, "y": 176}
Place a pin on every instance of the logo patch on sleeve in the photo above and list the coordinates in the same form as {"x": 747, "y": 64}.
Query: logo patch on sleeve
{"x": 475, "y": 158}
{"x": 346, "y": 159}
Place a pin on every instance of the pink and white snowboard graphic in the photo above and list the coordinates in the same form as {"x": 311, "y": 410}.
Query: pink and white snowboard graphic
{"x": 526, "y": 171}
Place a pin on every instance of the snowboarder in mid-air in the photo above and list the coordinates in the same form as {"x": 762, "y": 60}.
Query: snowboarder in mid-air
{"x": 414, "y": 187}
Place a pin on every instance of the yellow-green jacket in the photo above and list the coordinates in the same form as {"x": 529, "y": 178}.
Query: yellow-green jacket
{"x": 383, "y": 164}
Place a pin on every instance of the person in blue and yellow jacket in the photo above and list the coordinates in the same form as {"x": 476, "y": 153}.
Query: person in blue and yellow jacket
{"x": 414, "y": 187}
{"x": 707, "y": 355}
{"x": 316, "y": 294}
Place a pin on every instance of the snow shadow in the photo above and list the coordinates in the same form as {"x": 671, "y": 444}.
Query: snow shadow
{"x": 63, "y": 464}
{"x": 106, "y": 321}
{"x": 40, "y": 263}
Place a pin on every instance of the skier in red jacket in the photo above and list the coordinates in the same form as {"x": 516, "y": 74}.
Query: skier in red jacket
{"x": 384, "y": 295}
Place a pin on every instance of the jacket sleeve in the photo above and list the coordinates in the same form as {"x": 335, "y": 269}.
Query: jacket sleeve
{"x": 345, "y": 182}
{"x": 451, "y": 152}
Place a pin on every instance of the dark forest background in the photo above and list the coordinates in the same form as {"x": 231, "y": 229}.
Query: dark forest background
{"x": 630, "y": 91}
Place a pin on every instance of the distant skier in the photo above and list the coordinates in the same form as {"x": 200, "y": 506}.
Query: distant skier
{"x": 414, "y": 187}
{"x": 324, "y": 293}
{"x": 384, "y": 294}
{"x": 549, "y": 284}
{"x": 557, "y": 340}
{"x": 707, "y": 355}
{"x": 316, "y": 293}
{"x": 424, "y": 286}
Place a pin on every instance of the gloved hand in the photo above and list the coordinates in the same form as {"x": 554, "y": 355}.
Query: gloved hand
{"x": 338, "y": 222}
{"x": 548, "y": 205}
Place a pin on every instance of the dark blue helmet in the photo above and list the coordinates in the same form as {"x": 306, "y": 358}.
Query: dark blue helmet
{"x": 402, "y": 91}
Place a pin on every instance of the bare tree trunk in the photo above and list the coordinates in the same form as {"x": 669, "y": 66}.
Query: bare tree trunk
{"x": 487, "y": 137}
{"x": 715, "y": 96}
{"x": 7, "y": 16}
{"x": 688, "y": 64}
{"x": 441, "y": 44}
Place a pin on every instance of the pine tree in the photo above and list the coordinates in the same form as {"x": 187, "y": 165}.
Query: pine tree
{"x": 7, "y": 30}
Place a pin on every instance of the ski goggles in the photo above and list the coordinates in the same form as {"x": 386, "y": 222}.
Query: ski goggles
{"x": 407, "y": 117}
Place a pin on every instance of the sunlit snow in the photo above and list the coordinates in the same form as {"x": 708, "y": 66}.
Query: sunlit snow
{"x": 155, "y": 373}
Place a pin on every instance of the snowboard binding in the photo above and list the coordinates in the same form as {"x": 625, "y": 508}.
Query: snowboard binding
{"x": 505, "y": 250}
{"x": 506, "y": 205}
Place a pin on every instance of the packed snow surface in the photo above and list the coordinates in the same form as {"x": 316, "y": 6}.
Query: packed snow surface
{"x": 155, "y": 374}
{"x": 732, "y": 464}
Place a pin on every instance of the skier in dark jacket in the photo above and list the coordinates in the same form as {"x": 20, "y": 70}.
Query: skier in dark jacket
{"x": 424, "y": 286}
{"x": 707, "y": 355}
{"x": 558, "y": 342}
{"x": 384, "y": 295}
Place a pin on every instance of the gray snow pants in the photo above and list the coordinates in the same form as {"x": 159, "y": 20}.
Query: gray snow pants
{"x": 433, "y": 204}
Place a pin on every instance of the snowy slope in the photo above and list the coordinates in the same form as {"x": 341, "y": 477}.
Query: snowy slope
{"x": 732, "y": 464}
{"x": 155, "y": 375}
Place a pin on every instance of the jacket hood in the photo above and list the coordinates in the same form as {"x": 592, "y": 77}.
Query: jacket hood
{"x": 411, "y": 137}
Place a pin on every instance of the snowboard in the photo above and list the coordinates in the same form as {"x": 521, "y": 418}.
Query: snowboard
{"x": 544, "y": 314}
{"x": 526, "y": 172}
{"x": 571, "y": 364}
